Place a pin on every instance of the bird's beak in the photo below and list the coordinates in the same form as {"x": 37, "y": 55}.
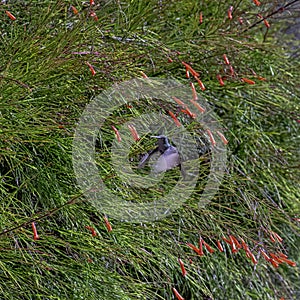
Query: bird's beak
{"x": 158, "y": 136}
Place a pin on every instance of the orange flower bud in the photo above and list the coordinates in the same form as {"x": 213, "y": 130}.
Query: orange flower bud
{"x": 117, "y": 133}
{"x": 35, "y": 234}
{"x": 226, "y": 59}
{"x": 75, "y": 11}
{"x": 249, "y": 81}
{"x": 177, "y": 295}
{"x": 219, "y": 245}
{"x": 10, "y": 15}
{"x": 107, "y": 224}
{"x": 183, "y": 271}
{"x": 176, "y": 121}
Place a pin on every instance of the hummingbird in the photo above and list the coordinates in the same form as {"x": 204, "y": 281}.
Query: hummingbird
{"x": 169, "y": 156}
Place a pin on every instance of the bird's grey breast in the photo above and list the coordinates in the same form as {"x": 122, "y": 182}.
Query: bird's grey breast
{"x": 169, "y": 159}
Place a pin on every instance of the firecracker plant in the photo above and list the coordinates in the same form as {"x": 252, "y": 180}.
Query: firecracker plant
{"x": 56, "y": 56}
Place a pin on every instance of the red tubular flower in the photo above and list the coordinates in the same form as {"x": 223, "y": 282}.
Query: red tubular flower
{"x": 197, "y": 250}
{"x": 35, "y": 234}
{"x": 75, "y": 11}
{"x": 231, "y": 70}
{"x": 187, "y": 73}
{"x": 177, "y": 295}
{"x": 276, "y": 236}
{"x": 211, "y": 137}
{"x": 272, "y": 238}
{"x": 219, "y": 245}
{"x": 244, "y": 245}
{"x": 186, "y": 109}
{"x": 200, "y": 84}
{"x": 208, "y": 248}
{"x": 261, "y": 78}
{"x": 10, "y": 15}
{"x": 92, "y": 230}
{"x": 176, "y": 121}
{"x": 253, "y": 258}
{"x": 282, "y": 259}
{"x": 279, "y": 260}
{"x": 201, "y": 246}
{"x": 219, "y": 77}
{"x": 144, "y": 75}
{"x": 179, "y": 102}
{"x": 265, "y": 255}
{"x": 193, "y": 72}
{"x": 134, "y": 133}
{"x": 195, "y": 97}
{"x": 267, "y": 24}
{"x": 273, "y": 255}
{"x": 117, "y": 133}
{"x": 282, "y": 255}
{"x": 235, "y": 241}
{"x": 227, "y": 241}
{"x": 189, "y": 68}
{"x": 188, "y": 112}
{"x": 234, "y": 248}
{"x": 289, "y": 262}
{"x": 226, "y": 60}
{"x": 224, "y": 140}
{"x": 198, "y": 106}
{"x": 256, "y": 2}
{"x": 93, "y": 14}
{"x": 91, "y": 69}
{"x": 92, "y": 2}
{"x": 249, "y": 81}
{"x": 201, "y": 18}
{"x": 233, "y": 245}
{"x": 274, "y": 263}
{"x": 265, "y": 20}
{"x": 183, "y": 270}
{"x": 107, "y": 224}
{"x": 229, "y": 12}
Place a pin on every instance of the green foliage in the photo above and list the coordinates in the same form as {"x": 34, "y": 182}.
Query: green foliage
{"x": 45, "y": 84}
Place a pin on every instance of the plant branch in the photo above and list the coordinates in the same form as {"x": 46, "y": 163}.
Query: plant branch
{"x": 46, "y": 214}
{"x": 279, "y": 10}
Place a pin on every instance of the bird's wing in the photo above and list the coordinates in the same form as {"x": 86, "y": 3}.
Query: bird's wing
{"x": 146, "y": 157}
{"x": 168, "y": 160}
